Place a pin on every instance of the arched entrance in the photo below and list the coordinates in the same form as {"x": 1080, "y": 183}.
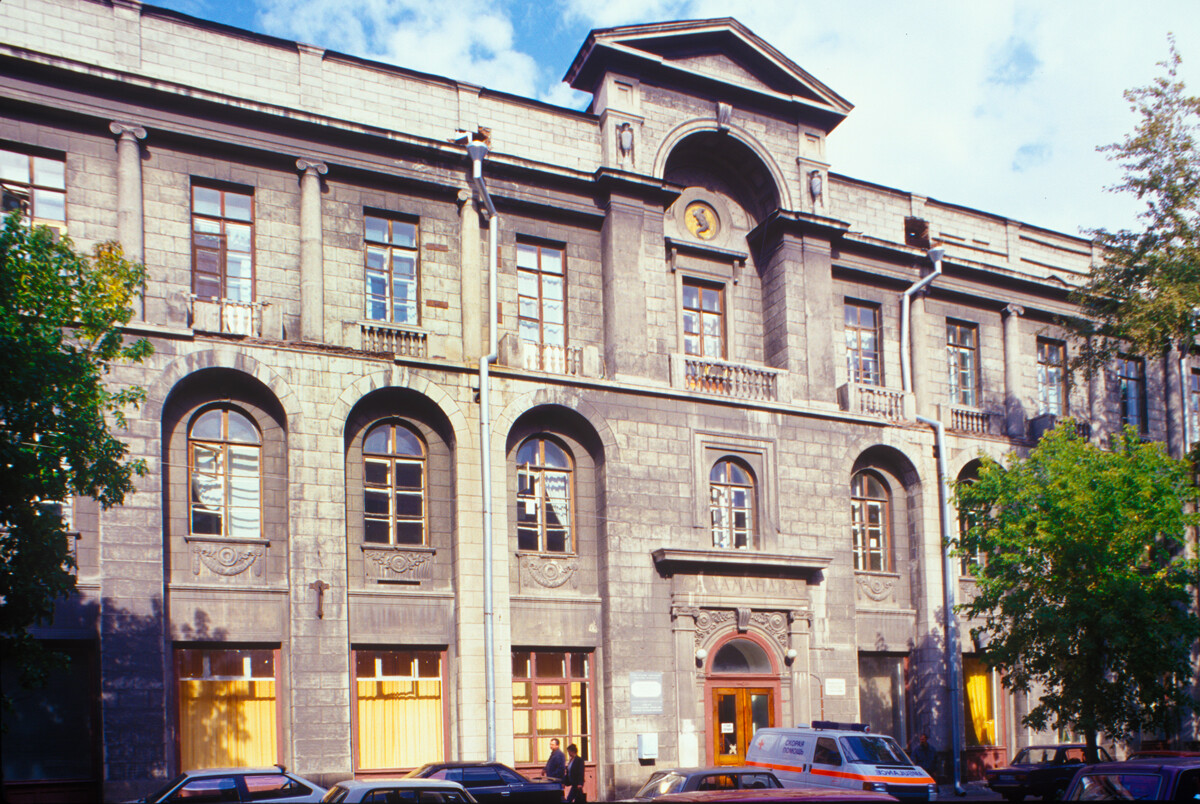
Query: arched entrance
{"x": 741, "y": 693}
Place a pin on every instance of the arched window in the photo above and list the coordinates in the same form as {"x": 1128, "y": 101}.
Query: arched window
{"x": 393, "y": 485}
{"x": 225, "y": 475}
{"x": 731, "y": 504}
{"x": 870, "y": 518}
{"x": 544, "y": 496}
{"x": 741, "y": 656}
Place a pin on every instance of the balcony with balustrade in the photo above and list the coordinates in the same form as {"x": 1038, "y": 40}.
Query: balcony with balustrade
{"x": 877, "y": 401}
{"x": 569, "y": 360}
{"x": 382, "y": 338}
{"x": 720, "y": 378}
{"x": 226, "y": 317}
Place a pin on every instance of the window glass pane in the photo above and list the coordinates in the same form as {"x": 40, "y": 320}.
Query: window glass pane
{"x": 404, "y": 234}
{"x": 408, "y": 532}
{"x": 521, "y": 667}
{"x": 408, "y": 505}
{"x": 237, "y": 237}
{"x": 530, "y": 331}
{"x": 49, "y": 205}
{"x": 241, "y": 429}
{"x": 403, "y": 265}
{"x": 552, "y": 262}
{"x": 409, "y": 476}
{"x": 407, "y": 442}
{"x": 691, "y": 297}
{"x": 376, "y": 502}
{"x": 237, "y": 206}
{"x": 526, "y": 256}
{"x": 375, "y": 230}
{"x": 49, "y": 172}
{"x": 552, "y": 288}
{"x": 711, "y": 299}
{"x": 555, "y": 456}
{"x": 208, "y": 426}
{"x": 551, "y": 665}
{"x": 377, "y": 440}
{"x": 14, "y": 167}
{"x": 206, "y": 201}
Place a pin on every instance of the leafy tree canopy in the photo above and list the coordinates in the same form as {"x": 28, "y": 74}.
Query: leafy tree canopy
{"x": 1083, "y": 588}
{"x": 60, "y": 331}
{"x": 1146, "y": 294}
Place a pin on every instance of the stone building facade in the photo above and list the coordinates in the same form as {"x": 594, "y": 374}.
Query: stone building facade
{"x": 713, "y": 506}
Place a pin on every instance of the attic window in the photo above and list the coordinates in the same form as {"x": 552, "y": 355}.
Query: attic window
{"x": 916, "y": 232}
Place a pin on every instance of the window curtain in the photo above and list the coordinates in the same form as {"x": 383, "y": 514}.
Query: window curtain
{"x": 399, "y": 723}
{"x": 227, "y": 723}
{"x": 979, "y": 705}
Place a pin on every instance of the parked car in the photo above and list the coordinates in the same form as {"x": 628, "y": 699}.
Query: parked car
{"x": 237, "y": 784}
{"x": 398, "y": 791}
{"x": 1161, "y": 779}
{"x": 808, "y": 792}
{"x": 1161, "y": 753}
{"x": 491, "y": 782}
{"x": 1041, "y": 770}
{"x": 682, "y": 780}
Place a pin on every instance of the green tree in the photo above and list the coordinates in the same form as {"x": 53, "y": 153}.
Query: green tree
{"x": 1083, "y": 587}
{"x": 1145, "y": 295}
{"x": 61, "y": 317}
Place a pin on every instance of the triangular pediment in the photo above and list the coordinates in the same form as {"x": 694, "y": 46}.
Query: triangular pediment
{"x": 722, "y": 52}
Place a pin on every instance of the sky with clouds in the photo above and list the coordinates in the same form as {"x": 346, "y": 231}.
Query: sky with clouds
{"x": 997, "y": 105}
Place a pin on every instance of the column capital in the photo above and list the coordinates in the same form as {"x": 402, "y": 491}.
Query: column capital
{"x": 1014, "y": 309}
{"x": 309, "y": 165}
{"x": 131, "y": 131}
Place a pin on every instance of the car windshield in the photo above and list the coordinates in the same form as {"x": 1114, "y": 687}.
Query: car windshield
{"x": 874, "y": 750}
{"x": 660, "y": 784}
{"x": 1035, "y": 756}
{"x": 335, "y": 794}
{"x": 166, "y": 788}
{"x": 1116, "y": 787}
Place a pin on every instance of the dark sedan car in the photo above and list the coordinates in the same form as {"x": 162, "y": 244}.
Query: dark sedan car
{"x": 1153, "y": 779}
{"x": 683, "y": 780}
{"x": 1041, "y": 770}
{"x": 491, "y": 782}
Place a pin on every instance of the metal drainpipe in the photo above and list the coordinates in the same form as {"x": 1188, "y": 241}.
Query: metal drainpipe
{"x": 953, "y": 653}
{"x": 935, "y": 254}
{"x": 477, "y": 151}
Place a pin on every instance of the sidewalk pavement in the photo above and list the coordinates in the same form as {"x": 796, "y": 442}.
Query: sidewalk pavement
{"x": 973, "y": 791}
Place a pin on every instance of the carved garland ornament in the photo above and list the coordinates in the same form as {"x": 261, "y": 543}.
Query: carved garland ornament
{"x": 773, "y": 624}
{"x": 550, "y": 573}
{"x": 877, "y": 588}
{"x": 227, "y": 559}
{"x": 390, "y": 563}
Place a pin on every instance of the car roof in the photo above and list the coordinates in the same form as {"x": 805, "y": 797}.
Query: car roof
{"x": 359, "y": 784}
{"x": 232, "y": 771}
{"x": 462, "y": 763}
{"x": 1146, "y": 762}
{"x": 715, "y": 769}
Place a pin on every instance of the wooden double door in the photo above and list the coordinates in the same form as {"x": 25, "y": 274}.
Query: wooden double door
{"x": 736, "y": 713}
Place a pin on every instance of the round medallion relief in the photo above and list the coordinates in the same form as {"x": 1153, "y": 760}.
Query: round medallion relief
{"x": 701, "y": 220}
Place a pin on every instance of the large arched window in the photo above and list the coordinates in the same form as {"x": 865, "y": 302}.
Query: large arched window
{"x": 225, "y": 475}
{"x": 544, "y": 496}
{"x": 870, "y": 518}
{"x": 731, "y": 504}
{"x": 393, "y": 486}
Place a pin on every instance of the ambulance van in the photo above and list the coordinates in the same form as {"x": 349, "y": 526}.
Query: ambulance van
{"x": 843, "y": 755}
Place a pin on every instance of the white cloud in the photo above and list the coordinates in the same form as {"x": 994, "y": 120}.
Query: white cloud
{"x": 469, "y": 40}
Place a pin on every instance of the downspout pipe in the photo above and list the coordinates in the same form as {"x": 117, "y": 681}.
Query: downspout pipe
{"x": 953, "y": 653}
{"x": 477, "y": 151}
{"x": 935, "y": 255}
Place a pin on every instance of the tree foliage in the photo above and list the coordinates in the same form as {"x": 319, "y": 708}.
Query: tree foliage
{"x": 1083, "y": 588}
{"x": 1146, "y": 293}
{"x": 60, "y": 331}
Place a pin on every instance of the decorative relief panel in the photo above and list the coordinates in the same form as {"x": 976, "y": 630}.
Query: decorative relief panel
{"x": 876, "y": 589}
{"x": 227, "y": 559}
{"x": 388, "y": 564}
{"x": 774, "y": 624}
{"x": 538, "y": 572}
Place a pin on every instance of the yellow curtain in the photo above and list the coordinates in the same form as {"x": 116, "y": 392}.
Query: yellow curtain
{"x": 979, "y": 703}
{"x": 399, "y": 723}
{"x": 227, "y": 723}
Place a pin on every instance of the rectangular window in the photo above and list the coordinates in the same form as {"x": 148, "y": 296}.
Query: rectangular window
{"x": 551, "y": 698}
{"x": 227, "y": 712}
{"x": 541, "y": 295}
{"x": 391, "y": 263}
{"x": 222, "y": 244}
{"x": 399, "y": 708}
{"x": 962, "y": 349}
{"x": 703, "y": 319}
{"x": 1131, "y": 373}
{"x": 1052, "y": 377}
{"x": 36, "y": 185}
{"x": 979, "y": 703}
{"x": 863, "y": 323}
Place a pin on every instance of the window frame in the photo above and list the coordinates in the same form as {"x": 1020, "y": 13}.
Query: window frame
{"x": 539, "y": 275}
{"x": 702, "y": 285}
{"x": 390, "y": 249}
{"x": 207, "y": 650}
{"x": 224, "y": 444}
{"x": 1193, "y": 408}
{"x": 963, "y": 395}
{"x": 728, "y": 509}
{"x": 394, "y": 458}
{"x": 443, "y": 693}
{"x": 583, "y": 736}
{"x": 856, "y": 356}
{"x": 860, "y": 545}
{"x": 1046, "y": 381}
{"x": 571, "y": 547}
{"x": 34, "y": 189}
{"x": 222, "y": 221}
{"x": 1128, "y": 380}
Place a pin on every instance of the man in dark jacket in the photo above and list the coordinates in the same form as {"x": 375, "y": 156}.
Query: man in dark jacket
{"x": 556, "y": 765}
{"x": 924, "y": 755}
{"x": 574, "y": 780}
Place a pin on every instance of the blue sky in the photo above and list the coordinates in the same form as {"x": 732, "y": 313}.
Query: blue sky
{"x": 993, "y": 105}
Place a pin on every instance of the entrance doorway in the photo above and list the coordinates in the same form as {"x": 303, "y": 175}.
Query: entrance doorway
{"x": 737, "y": 713}
{"x": 742, "y": 692}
